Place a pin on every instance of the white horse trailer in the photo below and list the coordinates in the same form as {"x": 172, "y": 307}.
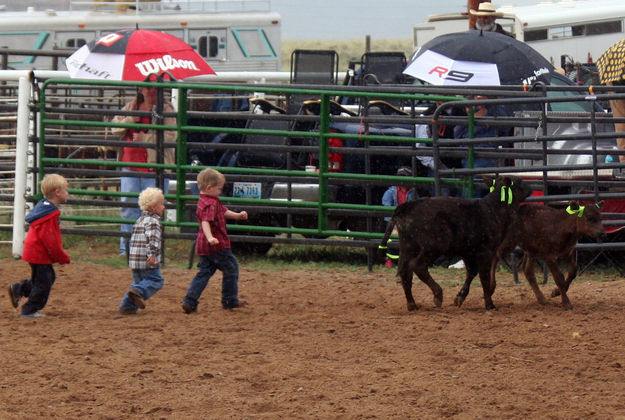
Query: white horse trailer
{"x": 580, "y": 30}
{"x": 231, "y": 35}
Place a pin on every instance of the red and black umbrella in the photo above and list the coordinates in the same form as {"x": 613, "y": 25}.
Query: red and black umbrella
{"x": 134, "y": 55}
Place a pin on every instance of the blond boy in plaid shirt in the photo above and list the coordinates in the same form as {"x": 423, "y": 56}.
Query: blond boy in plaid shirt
{"x": 145, "y": 252}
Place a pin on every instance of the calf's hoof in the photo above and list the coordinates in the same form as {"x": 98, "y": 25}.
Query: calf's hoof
{"x": 555, "y": 292}
{"x": 458, "y": 300}
{"x": 438, "y": 301}
{"x": 412, "y": 306}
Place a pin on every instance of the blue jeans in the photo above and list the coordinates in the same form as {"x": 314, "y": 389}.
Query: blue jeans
{"x": 445, "y": 191}
{"x": 478, "y": 163}
{"x": 135, "y": 185}
{"x": 224, "y": 261}
{"x": 147, "y": 282}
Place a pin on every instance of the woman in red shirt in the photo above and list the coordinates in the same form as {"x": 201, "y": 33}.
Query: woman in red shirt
{"x": 145, "y": 101}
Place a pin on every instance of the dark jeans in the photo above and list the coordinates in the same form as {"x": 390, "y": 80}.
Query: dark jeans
{"x": 37, "y": 288}
{"x": 478, "y": 163}
{"x": 224, "y": 261}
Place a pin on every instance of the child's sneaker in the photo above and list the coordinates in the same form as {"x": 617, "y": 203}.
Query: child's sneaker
{"x": 136, "y": 298}
{"x": 34, "y": 315}
{"x": 459, "y": 264}
{"x": 15, "y": 298}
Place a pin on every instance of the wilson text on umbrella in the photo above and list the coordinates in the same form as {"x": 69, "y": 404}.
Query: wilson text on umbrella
{"x": 164, "y": 63}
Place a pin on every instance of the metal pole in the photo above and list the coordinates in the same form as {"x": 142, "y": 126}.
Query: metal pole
{"x": 160, "y": 152}
{"x": 593, "y": 137}
{"x": 21, "y": 152}
{"x": 181, "y": 153}
{"x": 324, "y": 129}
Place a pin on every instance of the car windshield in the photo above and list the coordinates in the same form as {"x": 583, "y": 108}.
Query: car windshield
{"x": 572, "y": 106}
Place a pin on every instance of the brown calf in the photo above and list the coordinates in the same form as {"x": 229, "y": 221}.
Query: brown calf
{"x": 551, "y": 234}
{"x": 469, "y": 228}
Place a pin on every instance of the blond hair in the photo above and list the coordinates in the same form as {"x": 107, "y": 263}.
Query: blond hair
{"x": 208, "y": 178}
{"x": 51, "y": 183}
{"x": 149, "y": 197}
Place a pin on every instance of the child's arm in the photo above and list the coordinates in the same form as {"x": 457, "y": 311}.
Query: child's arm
{"x": 153, "y": 238}
{"x": 52, "y": 241}
{"x": 206, "y": 228}
{"x": 229, "y": 214}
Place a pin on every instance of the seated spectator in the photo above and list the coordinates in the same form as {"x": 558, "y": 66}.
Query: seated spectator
{"x": 482, "y": 130}
{"x": 394, "y": 196}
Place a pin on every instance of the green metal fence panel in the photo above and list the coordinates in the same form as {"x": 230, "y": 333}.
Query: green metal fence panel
{"x": 181, "y": 200}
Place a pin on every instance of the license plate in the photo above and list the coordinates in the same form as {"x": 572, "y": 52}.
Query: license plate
{"x": 246, "y": 189}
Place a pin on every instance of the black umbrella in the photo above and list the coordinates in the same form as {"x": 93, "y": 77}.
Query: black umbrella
{"x": 478, "y": 58}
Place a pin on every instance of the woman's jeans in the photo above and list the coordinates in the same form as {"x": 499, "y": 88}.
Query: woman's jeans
{"x": 478, "y": 163}
{"x": 224, "y": 261}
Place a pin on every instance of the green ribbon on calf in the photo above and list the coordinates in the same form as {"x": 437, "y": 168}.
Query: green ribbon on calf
{"x": 503, "y": 192}
{"x": 388, "y": 254}
{"x": 579, "y": 211}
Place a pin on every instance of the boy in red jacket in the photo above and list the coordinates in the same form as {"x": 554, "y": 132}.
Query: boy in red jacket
{"x": 43, "y": 247}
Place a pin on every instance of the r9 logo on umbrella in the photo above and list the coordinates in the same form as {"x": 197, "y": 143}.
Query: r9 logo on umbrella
{"x": 455, "y": 75}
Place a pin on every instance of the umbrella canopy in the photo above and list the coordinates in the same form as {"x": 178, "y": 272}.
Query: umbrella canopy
{"x": 134, "y": 55}
{"x": 611, "y": 64}
{"x": 478, "y": 58}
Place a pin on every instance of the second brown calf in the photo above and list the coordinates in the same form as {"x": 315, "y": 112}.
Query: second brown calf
{"x": 551, "y": 234}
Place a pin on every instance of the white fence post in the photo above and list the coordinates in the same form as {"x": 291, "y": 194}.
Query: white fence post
{"x": 21, "y": 168}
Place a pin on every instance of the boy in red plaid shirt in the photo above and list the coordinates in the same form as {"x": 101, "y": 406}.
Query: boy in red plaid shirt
{"x": 213, "y": 245}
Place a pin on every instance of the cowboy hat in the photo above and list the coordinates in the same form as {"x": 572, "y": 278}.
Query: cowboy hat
{"x": 486, "y": 9}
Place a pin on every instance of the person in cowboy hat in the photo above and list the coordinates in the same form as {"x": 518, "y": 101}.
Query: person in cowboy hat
{"x": 485, "y": 18}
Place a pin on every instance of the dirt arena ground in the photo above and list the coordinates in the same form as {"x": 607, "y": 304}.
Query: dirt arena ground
{"x": 311, "y": 345}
